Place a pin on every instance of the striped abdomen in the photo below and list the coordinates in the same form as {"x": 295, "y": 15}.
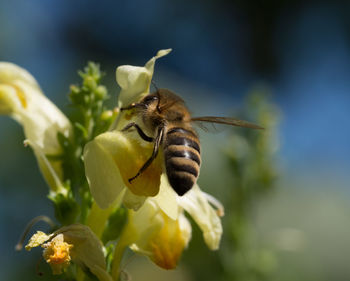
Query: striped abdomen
{"x": 182, "y": 158}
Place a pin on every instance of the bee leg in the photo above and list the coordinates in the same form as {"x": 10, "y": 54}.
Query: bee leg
{"x": 157, "y": 143}
{"x": 139, "y": 130}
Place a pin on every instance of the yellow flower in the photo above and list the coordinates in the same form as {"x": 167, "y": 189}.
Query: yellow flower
{"x": 167, "y": 244}
{"x": 152, "y": 233}
{"x": 206, "y": 212}
{"x": 113, "y": 157}
{"x": 74, "y": 242}
{"x": 22, "y": 99}
{"x": 157, "y": 226}
{"x": 56, "y": 253}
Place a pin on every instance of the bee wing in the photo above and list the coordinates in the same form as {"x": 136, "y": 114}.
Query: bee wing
{"x": 226, "y": 121}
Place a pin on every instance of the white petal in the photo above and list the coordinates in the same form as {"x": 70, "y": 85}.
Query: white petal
{"x": 47, "y": 169}
{"x": 196, "y": 204}
{"x": 41, "y": 122}
{"x": 110, "y": 160}
{"x": 22, "y": 99}
{"x": 159, "y": 237}
{"x": 185, "y": 228}
{"x": 102, "y": 173}
{"x": 8, "y": 101}
{"x": 87, "y": 249}
{"x": 143, "y": 223}
{"x": 132, "y": 201}
{"x": 40, "y": 118}
{"x": 167, "y": 198}
{"x": 147, "y": 219}
{"x": 10, "y": 72}
{"x": 135, "y": 80}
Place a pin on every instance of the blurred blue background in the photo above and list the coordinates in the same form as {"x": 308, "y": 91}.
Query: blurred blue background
{"x": 298, "y": 50}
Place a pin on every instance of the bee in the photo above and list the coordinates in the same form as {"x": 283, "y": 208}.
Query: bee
{"x": 165, "y": 115}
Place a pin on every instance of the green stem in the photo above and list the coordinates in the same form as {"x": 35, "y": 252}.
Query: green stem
{"x": 126, "y": 238}
{"x": 117, "y": 258}
{"x": 97, "y": 221}
{"x": 97, "y": 218}
{"x": 88, "y": 119}
{"x": 80, "y": 274}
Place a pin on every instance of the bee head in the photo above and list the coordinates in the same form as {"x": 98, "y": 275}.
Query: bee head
{"x": 152, "y": 102}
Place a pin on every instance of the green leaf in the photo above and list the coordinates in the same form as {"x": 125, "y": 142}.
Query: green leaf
{"x": 115, "y": 225}
{"x": 66, "y": 208}
{"x": 81, "y": 128}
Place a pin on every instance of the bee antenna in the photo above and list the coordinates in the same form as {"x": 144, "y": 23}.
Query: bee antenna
{"x": 154, "y": 85}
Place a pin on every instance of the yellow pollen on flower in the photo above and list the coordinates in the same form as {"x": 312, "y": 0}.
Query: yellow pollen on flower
{"x": 167, "y": 245}
{"x": 57, "y": 254}
{"x": 37, "y": 239}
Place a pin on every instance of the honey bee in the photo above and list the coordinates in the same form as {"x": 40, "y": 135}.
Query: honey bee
{"x": 166, "y": 117}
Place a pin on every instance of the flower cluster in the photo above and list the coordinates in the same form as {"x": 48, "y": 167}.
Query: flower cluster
{"x": 22, "y": 99}
{"x": 118, "y": 156}
{"x": 74, "y": 242}
{"x": 156, "y": 224}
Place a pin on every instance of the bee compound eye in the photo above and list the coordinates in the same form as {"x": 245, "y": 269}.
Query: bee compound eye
{"x": 150, "y": 98}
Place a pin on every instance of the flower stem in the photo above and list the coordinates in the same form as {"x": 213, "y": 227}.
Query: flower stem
{"x": 126, "y": 238}
{"x": 97, "y": 218}
{"x": 80, "y": 274}
{"x": 29, "y": 226}
{"x": 117, "y": 258}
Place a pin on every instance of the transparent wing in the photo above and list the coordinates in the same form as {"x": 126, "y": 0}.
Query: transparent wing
{"x": 226, "y": 121}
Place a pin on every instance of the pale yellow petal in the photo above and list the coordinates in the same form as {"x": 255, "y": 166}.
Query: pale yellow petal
{"x": 158, "y": 236}
{"x": 197, "y": 205}
{"x": 128, "y": 156}
{"x": 8, "y": 104}
{"x": 40, "y": 118}
{"x": 135, "y": 80}
{"x": 10, "y": 72}
{"x": 87, "y": 249}
{"x": 22, "y": 99}
{"x": 142, "y": 224}
{"x": 49, "y": 169}
{"x": 185, "y": 228}
{"x": 132, "y": 201}
{"x": 102, "y": 174}
{"x": 167, "y": 198}
{"x": 168, "y": 244}
{"x": 150, "y": 64}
